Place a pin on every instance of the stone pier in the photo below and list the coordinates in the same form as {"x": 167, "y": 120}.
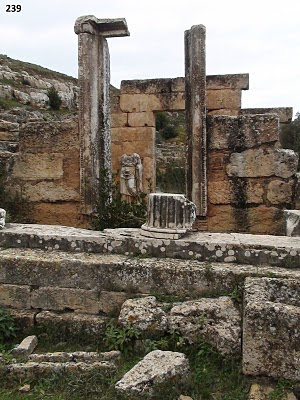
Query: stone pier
{"x": 195, "y": 89}
{"x": 94, "y": 102}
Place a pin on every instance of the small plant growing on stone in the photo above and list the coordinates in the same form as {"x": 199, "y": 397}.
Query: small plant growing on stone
{"x": 54, "y": 99}
{"x": 120, "y": 338}
{"x": 7, "y": 327}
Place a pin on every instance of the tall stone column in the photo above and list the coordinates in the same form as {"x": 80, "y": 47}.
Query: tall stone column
{"x": 94, "y": 102}
{"x": 195, "y": 90}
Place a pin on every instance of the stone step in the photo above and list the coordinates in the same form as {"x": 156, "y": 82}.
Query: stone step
{"x": 100, "y": 283}
{"x": 203, "y": 246}
{"x": 34, "y": 370}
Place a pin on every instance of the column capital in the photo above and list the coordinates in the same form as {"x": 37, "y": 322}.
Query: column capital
{"x": 116, "y": 27}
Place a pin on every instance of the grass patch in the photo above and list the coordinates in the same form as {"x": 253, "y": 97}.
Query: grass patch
{"x": 6, "y": 104}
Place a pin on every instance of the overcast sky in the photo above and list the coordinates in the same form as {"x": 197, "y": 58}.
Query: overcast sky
{"x": 259, "y": 37}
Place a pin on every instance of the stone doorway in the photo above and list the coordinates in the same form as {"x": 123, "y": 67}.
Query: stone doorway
{"x": 170, "y": 144}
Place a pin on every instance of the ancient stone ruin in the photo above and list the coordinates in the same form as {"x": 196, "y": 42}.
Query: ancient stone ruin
{"x": 214, "y": 269}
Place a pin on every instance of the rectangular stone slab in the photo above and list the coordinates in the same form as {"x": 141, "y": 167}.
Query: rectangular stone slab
{"x": 116, "y": 27}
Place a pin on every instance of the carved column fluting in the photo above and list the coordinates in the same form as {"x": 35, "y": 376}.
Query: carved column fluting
{"x": 169, "y": 215}
{"x": 94, "y": 102}
{"x": 195, "y": 88}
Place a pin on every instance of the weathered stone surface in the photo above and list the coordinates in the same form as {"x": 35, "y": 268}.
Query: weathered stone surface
{"x": 285, "y": 114}
{"x": 266, "y": 220}
{"x": 248, "y": 248}
{"x": 119, "y": 120}
{"x": 242, "y": 132}
{"x": 169, "y": 216}
{"x": 79, "y": 300}
{"x": 15, "y": 296}
{"x": 115, "y": 27}
{"x": 228, "y": 192}
{"x": 137, "y": 103}
{"x": 49, "y": 191}
{"x": 141, "y": 119}
{"x": 223, "y": 99}
{"x": 280, "y": 192}
{"x": 217, "y": 321}
{"x": 72, "y": 324}
{"x": 271, "y": 328}
{"x": 65, "y": 213}
{"x": 156, "y": 367}
{"x": 196, "y": 99}
{"x": 35, "y": 371}
{"x": 30, "y": 167}
{"x": 182, "y": 397}
{"x": 111, "y": 302}
{"x": 145, "y": 314}
{"x": 2, "y": 218}
{"x": 24, "y": 319}
{"x": 79, "y": 356}
{"x": 292, "y": 218}
{"x": 26, "y": 347}
{"x": 259, "y": 162}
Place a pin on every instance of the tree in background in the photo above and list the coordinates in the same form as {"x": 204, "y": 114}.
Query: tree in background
{"x": 290, "y": 135}
{"x": 54, "y": 99}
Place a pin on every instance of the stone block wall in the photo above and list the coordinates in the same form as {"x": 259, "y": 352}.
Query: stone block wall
{"x": 46, "y": 170}
{"x": 250, "y": 178}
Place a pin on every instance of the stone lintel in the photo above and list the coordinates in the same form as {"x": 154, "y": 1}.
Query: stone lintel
{"x": 285, "y": 114}
{"x": 167, "y": 85}
{"x": 116, "y": 27}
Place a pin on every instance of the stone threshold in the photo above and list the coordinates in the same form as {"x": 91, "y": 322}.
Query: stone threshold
{"x": 203, "y": 246}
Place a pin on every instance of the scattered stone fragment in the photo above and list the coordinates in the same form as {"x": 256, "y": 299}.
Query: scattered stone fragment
{"x": 292, "y": 218}
{"x": 182, "y": 397}
{"x": 25, "y": 389}
{"x": 156, "y": 367}
{"x": 145, "y": 314}
{"x": 217, "y": 321}
{"x": 26, "y": 347}
{"x": 80, "y": 356}
{"x": 2, "y": 218}
{"x": 262, "y": 392}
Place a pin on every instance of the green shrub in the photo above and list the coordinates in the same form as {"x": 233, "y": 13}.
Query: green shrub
{"x": 7, "y": 326}
{"x": 112, "y": 211}
{"x": 54, "y": 99}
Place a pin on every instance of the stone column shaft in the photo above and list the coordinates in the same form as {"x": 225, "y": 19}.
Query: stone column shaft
{"x": 195, "y": 87}
{"x": 94, "y": 103}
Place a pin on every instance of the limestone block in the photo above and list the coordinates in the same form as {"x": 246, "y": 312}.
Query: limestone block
{"x": 141, "y": 119}
{"x": 285, "y": 114}
{"x": 66, "y": 213}
{"x": 263, "y": 162}
{"x": 119, "y": 120}
{"x": 111, "y": 302}
{"x": 223, "y": 111}
{"x": 150, "y": 86}
{"x": 280, "y": 192}
{"x": 292, "y": 218}
{"x": 228, "y": 81}
{"x": 38, "y": 166}
{"x": 39, "y": 99}
{"x": 271, "y": 328}
{"x": 140, "y": 102}
{"x": 224, "y": 98}
{"x": 145, "y": 314}
{"x": 265, "y": 220}
{"x": 143, "y": 148}
{"x": 79, "y": 300}
{"x": 73, "y": 324}
{"x": 49, "y": 191}
{"x": 12, "y": 136}
{"x": 227, "y": 192}
{"x": 156, "y": 367}
{"x": 15, "y": 296}
{"x": 221, "y": 218}
{"x": 130, "y": 134}
{"x": 177, "y": 102}
{"x": 24, "y": 319}
{"x": 26, "y": 347}
{"x": 242, "y": 132}
{"x": 217, "y": 321}
{"x": 78, "y": 356}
